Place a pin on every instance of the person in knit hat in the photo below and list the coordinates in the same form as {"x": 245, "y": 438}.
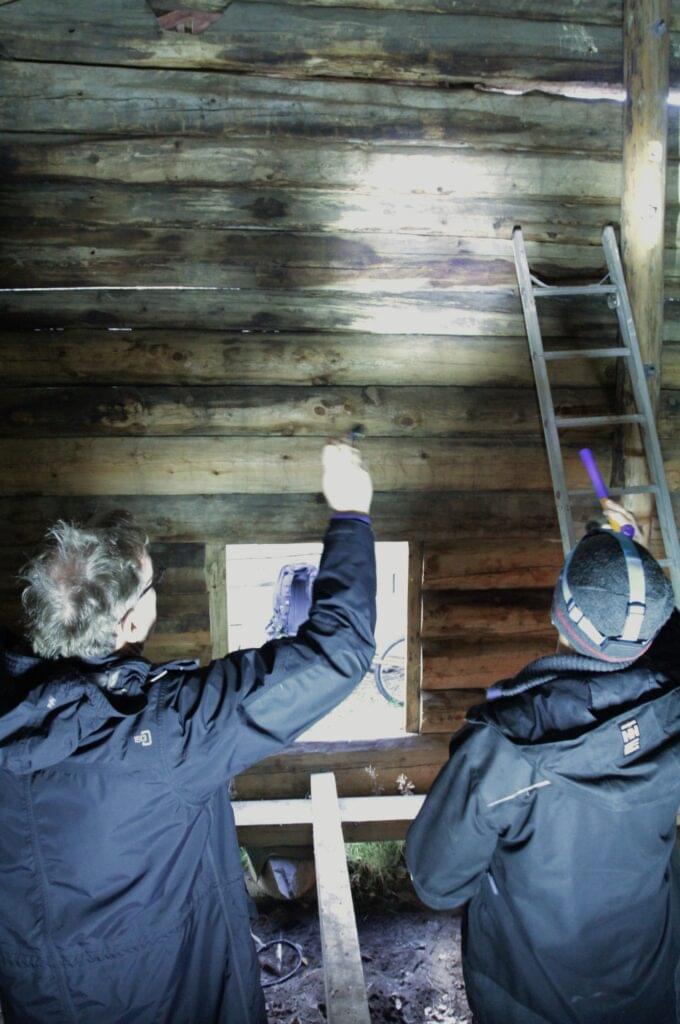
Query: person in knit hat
{"x": 554, "y": 821}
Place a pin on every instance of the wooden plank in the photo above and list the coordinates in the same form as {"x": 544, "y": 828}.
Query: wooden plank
{"x": 157, "y": 357}
{"x": 389, "y": 44}
{"x": 272, "y": 517}
{"x": 414, "y": 645}
{"x": 473, "y": 614}
{"x": 211, "y": 465}
{"x": 361, "y": 768}
{"x": 216, "y": 579}
{"x": 468, "y": 664}
{"x": 447, "y": 311}
{"x": 492, "y": 564}
{"x": 289, "y": 822}
{"x": 285, "y": 411}
{"x": 137, "y": 105}
{"x": 346, "y": 1001}
{"x": 646, "y": 77}
{"x": 444, "y": 711}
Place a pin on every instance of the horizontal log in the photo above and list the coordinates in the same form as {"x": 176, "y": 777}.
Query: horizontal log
{"x": 274, "y": 823}
{"x": 168, "y": 647}
{"x": 323, "y": 41}
{"x": 242, "y": 518}
{"x": 443, "y": 711}
{"x": 493, "y": 564}
{"x": 465, "y": 664}
{"x": 143, "y": 103}
{"x": 448, "y": 311}
{"x": 361, "y": 768}
{"x": 289, "y": 411}
{"x": 156, "y": 357}
{"x": 213, "y": 465}
{"x": 481, "y": 614}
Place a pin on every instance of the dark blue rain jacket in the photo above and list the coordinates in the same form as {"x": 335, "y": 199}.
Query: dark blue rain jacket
{"x": 121, "y": 890}
{"x": 555, "y": 819}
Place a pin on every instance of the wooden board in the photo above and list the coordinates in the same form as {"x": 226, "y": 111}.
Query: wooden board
{"x": 482, "y": 660}
{"x": 322, "y": 41}
{"x": 478, "y": 614}
{"x": 443, "y": 711}
{"x": 493, "y": 564}
{"x": 216, "y": 579}
{"x": 346, "y": 1001}
{"x": 414, "y": 645}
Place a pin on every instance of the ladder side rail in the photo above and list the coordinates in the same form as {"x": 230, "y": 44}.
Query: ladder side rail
{"x": 649, "y": 433}
{"x": 545, "y": 401}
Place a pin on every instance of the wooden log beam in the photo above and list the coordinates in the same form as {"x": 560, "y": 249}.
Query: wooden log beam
{"x": 493, "y": 564}
{"x": 444, "y": 711}
{"x": 216, "y": 579}
{"x": 479, "y": 662}
{"x": 646, "y": 78}
{"x": 480, "y": 614}
{"x": 414, "y": 644}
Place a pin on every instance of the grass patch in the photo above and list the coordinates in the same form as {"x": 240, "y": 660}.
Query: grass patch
{"x": 376, "y": 870}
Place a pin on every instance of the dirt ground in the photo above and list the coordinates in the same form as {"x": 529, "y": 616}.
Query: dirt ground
{"x": 411, "y": 959}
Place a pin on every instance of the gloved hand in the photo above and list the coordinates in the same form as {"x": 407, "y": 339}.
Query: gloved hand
{"x": 347, "y": 485}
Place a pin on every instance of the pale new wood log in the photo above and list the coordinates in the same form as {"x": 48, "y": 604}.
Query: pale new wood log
{"x": 286, "y": 411}
{"x": 212, "y": 465}
{"x": 444, "y": 711}
{"x": 493, "y": 564}
{"x": 197, "y": 106}
{"x": 216, "y": 579}
{"x": 646, "y": 76}
{"x": 346, "y": 1001}
{"x": 158, "y": 357}
{"x": 288, "y": 40}
{"x": 464, "y": 664}
{"x": 476, "y": 615}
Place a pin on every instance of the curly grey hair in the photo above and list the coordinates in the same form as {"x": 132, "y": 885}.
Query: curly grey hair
{"x": 81, "y": 585}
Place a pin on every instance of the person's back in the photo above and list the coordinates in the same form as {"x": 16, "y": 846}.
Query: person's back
{"x": 555, "y": 818}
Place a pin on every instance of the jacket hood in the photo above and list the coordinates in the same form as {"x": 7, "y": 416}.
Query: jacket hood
{"x": 49, "y": 708}
{"x": 587, "y": 725}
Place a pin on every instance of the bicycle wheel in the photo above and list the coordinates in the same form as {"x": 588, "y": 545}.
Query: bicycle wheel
{"x": 390, "y": 672}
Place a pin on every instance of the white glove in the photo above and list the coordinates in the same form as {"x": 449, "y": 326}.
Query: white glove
{"x": 347, "y": 485}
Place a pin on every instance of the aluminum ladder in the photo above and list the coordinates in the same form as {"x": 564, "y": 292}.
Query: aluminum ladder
{"x": 613, "y": 289}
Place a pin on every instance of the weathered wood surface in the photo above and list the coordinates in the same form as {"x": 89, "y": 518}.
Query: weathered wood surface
{"x": 414, "y": 644}
{"x": 83, "y": 356}
{"x": 492, "y": 564}
{"x": 361, "y": 768}
{"x": 443, "y": 711}
{"x": 481, "y": 661}
{"x": 296, "y": 41}
{"x": 266, "y": 465}
{"x": 470, "y": 614}
{"x": 143, "y": 104}
{"x": 346, "y": 999}
{"x": 271, "y": 517}
{"x": 216, "y": 580}
{"x": 288, "y": 411}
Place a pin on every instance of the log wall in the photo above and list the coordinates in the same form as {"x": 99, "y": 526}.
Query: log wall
{"x": 247, "y": 240}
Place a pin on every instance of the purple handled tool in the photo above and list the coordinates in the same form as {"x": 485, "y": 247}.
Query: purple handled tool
{"x": 600, "y": 488}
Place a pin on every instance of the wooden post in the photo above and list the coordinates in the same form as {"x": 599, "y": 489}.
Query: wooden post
{"x": 216, "y": 582}
{"x": 346, "y": 1001}
{"x": 414, "y": 642}
{"x": 646, "y": 26}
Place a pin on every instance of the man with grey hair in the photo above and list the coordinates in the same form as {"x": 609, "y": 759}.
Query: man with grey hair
{"x": 121, "y": 888}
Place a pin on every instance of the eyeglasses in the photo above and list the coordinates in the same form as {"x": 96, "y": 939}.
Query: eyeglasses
{"x": 154, "y": 583}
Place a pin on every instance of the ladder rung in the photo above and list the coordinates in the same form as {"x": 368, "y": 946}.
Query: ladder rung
{"x": 597, "y": 421}
{"x": 585, "y": 289}
{"x": 587, "y": 353}
{"x": 617, "y": 491}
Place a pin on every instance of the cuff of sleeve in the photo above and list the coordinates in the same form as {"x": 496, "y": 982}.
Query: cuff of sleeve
{"x": 360, "y": 517}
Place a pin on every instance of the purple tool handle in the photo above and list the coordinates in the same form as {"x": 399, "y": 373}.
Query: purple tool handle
{"x": 600, "y": 487}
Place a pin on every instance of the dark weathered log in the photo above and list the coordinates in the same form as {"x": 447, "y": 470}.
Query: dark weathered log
{"x": 448, "y": 311}
{"x": 297, "y": 41}
{"x": 262, "y": 465}
{"x": 142, "y": 102}
{"x": 443, "y": 711}
{"x": 156, "y": 357}
{"x": 241, "y": 518}
{"x": 361, "y": 768}
{"x": 492, "y": 564}
{"x": 285, "y": 411}
{"x": 476, "y": 615}
{"x": 462, "y": 664}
